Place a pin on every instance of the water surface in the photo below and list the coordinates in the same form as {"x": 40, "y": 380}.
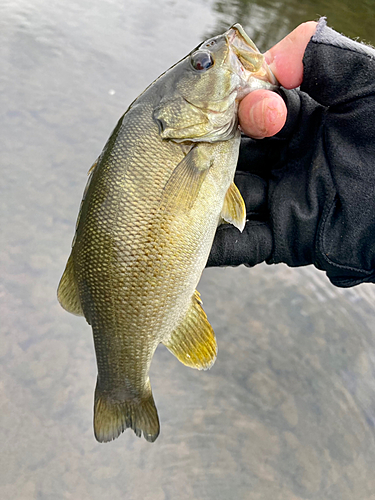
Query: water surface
{"x": 288, "y": 411}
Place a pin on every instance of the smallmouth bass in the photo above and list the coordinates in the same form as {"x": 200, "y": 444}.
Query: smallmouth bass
{"x": 152, "y": 203}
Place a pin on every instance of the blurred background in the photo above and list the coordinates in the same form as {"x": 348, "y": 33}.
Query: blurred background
{"x": 288, "y": 410}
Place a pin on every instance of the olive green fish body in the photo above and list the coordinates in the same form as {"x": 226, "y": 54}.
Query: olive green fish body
{"x": 147, "y": 221}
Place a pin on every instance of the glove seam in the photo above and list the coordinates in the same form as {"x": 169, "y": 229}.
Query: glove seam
{"x": 321, "y": 246}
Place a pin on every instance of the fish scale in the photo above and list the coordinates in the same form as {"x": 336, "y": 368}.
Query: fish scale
{"x": 154, "y": 199}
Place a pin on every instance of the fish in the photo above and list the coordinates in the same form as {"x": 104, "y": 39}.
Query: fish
{"x": 153, "y": 201}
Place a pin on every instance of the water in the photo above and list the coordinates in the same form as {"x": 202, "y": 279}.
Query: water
{"x": 287, "y": 412}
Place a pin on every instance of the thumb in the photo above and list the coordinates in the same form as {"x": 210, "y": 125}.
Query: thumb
{"x": 285, "y": 58}
{"x": 262, "y": 113}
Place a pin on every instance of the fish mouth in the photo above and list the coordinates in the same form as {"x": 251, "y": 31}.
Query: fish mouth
{"x": 252, "y": 61}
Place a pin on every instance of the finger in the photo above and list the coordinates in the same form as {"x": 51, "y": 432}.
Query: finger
{"x": 285, "y": 58}
{"x": 262, "y": 113}
{"x": 232, "y": 248}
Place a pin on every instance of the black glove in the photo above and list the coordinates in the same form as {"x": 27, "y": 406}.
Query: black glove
{"x": 310, "y": 190}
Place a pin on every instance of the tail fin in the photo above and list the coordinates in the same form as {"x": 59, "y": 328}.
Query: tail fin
{"x": 112, "y": 417}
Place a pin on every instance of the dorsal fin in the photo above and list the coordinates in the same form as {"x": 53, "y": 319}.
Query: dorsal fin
{"x": 67, "y": 292}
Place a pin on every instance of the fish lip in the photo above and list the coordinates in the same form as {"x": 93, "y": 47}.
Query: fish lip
{"x": 235, "y": 31}
{"x": 239, "y": 44}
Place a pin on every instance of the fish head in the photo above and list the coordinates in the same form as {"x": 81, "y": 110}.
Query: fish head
{"x": 208, "y": 85}
{"x": 228, "y": 65}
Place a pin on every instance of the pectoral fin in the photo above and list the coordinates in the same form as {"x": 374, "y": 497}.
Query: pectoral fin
{"x": 193, "y": 342}
{"x": 183, "y": 186}
{"x": 234, "y": 210}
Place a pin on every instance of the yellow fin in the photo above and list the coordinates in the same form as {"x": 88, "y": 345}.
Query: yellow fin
{"x": 112, "y": 417}
{"x": 183, "y": 186}
{"x": 193, "y": 342}
{"x": 234, "y": 210}
{"x": 67, "y": 292}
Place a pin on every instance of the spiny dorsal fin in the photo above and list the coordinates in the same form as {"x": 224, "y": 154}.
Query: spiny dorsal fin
{"x": 234, "y": 210}
{"x": 92, "y": 168}
{"x": 67, "y": 292}
{"x": 193, "y": 342}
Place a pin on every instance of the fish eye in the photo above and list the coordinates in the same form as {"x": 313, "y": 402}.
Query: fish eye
{"x": 201, "y": 60}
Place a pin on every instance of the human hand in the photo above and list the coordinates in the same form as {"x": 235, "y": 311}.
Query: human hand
{"x": 309, "y": 190}
{"x": 262, "y": 113}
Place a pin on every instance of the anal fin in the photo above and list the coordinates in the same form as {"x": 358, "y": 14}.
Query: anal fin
{"x": 193, "y": 341}
{"x": 234, "y": 210}
{"x": 67, "y": 292}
